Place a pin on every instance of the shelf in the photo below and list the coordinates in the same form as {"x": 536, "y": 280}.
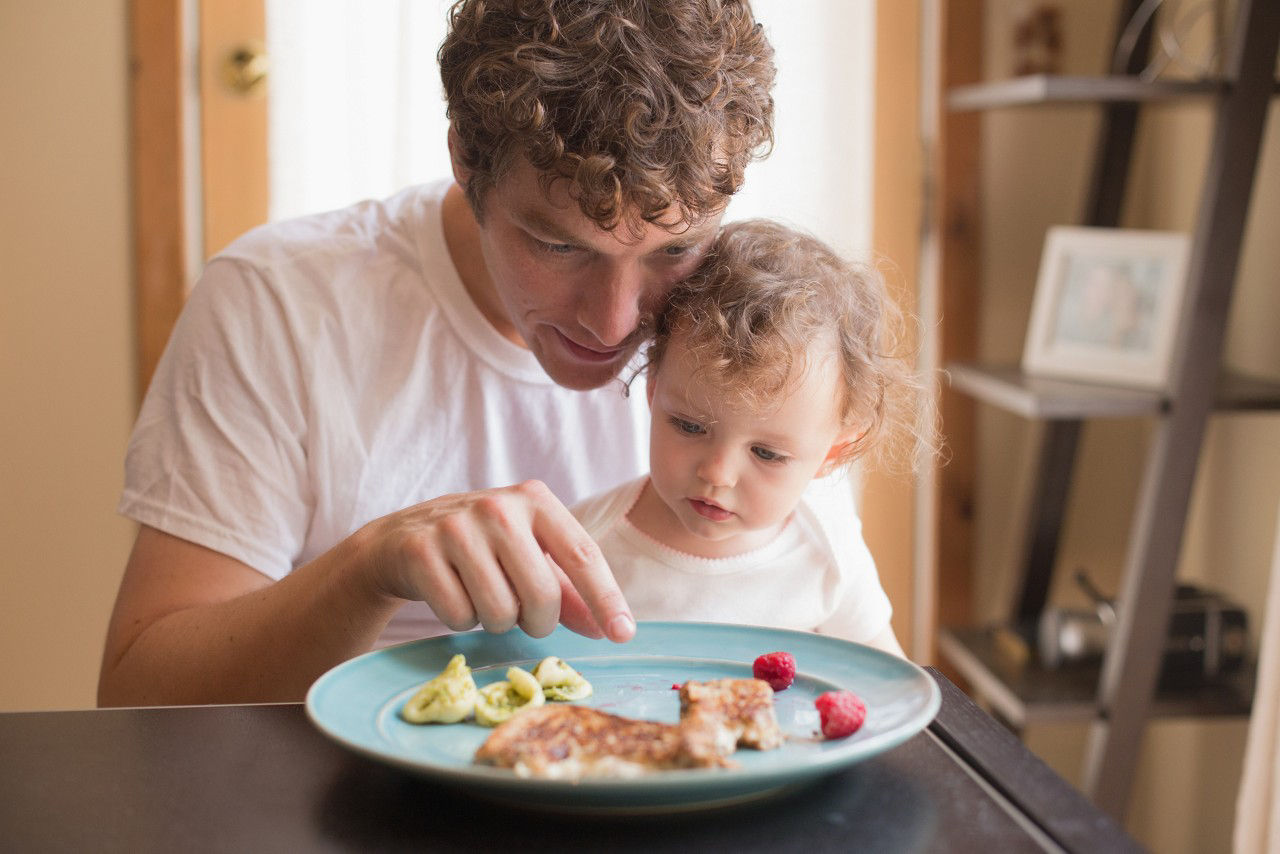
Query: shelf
{"x": 1004, "y": 671}
{"x": 1009, "y": 388}
{"x": 1243, "y": 393}
{"x": 1059, "y": 89}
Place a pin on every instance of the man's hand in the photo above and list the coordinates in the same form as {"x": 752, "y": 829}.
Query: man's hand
{"x": 192, "y": 625}
{"x": 501, "y": 558}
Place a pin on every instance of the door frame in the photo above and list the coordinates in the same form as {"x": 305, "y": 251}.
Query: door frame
{"x": 198, "y": 153}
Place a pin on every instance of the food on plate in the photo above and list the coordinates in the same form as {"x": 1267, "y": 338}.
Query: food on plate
{"x": 453, "y": 696}
{"x": 842, "y": 713}
{"x": 498, "y": 701}
{"x": 735, "y": 712}
{"x": 559, "y": 681}
{"x": 446, "y": 699}
{"x": 576, "y": 742}
{"x": 776, "y": 668}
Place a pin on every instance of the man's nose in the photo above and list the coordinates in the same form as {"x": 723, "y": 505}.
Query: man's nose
{"x": 612, "y": 308}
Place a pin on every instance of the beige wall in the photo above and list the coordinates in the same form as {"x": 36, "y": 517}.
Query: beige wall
{"x": 1035, "y": 164}
{"x": 65, "y": 343}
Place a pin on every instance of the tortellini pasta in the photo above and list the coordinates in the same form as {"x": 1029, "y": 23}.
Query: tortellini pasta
{"x": 453, "y": 696}
{"x": 559, "y": 681}
{"x": 499, "y": 701}
{"x": 446, "y": 699}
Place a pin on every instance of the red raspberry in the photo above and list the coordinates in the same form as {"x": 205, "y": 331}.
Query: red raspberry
{"x": 841, "y": 712}
{"x": 776, "y": 668}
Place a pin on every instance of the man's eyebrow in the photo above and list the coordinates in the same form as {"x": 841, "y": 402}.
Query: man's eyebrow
{"x": 544, "y": 225}
{"x": 535, "y": 220}
{"x": 690, "y": 237}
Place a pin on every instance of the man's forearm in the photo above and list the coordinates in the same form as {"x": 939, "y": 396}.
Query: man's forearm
{"x": 266, "y": 645}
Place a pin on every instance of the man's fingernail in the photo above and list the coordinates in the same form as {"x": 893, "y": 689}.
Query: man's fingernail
{"x": 622, "y": 627}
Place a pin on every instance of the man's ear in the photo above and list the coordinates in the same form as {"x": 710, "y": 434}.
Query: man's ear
{"x": 461, "y": 173}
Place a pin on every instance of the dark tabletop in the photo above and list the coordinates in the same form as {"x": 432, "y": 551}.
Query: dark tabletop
{"x": 262, "y": 778}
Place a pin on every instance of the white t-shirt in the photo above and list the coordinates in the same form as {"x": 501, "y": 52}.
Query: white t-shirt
{"x": 811, "y": 577}
{"x": 332, "y": 369}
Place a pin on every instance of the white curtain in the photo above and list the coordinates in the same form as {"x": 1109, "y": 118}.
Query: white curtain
{"x": 356, "y": 109}
{"x": 1257, "y": 827}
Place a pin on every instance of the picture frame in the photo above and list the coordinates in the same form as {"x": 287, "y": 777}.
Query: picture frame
{"x": 1107, "y": 304}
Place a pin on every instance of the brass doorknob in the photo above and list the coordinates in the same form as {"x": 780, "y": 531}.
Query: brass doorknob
{"x": 244, "y": 70}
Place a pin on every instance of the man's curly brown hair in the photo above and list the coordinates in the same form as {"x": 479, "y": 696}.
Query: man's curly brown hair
{"x": 642, "y": 105}
{"x": 770, "y": 302}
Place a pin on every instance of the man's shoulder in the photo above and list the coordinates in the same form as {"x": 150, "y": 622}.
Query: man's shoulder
{"x": 394, "y": 228}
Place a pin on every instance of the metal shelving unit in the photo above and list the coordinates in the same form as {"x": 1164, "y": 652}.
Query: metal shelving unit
{"x": 1118, "y": 695}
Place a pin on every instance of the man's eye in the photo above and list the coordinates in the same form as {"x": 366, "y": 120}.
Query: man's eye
{"x": 555, "y": 248}
{"x": 689, "y": 427}
{"x": 678, "y": 251}
{"x": 767, "y": 455}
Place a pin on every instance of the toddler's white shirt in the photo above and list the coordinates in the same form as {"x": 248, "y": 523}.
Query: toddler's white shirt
{"x": 816, "y": 575}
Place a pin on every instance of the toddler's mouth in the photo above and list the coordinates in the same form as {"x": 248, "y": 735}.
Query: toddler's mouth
{"x": 707, "y": 510}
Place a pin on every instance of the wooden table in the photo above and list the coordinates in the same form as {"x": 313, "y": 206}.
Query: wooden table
{"x": 262, "y": 778}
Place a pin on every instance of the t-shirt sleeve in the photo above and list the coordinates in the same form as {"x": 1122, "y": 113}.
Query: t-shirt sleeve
{"x": 217, "y": 455}
{"x": 862, "y": 609}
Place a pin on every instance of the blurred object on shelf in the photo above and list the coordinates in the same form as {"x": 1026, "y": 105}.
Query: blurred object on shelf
{"x": 1207, "y": 636}
{"x": 1037, "y": 39}
{"x": 1188, "y": 36}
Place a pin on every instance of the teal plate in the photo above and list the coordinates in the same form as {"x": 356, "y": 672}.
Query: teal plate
{"x": 357, "y": 704}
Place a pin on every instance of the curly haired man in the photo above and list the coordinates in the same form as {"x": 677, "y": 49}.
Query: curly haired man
{"x": 314, "y": 467}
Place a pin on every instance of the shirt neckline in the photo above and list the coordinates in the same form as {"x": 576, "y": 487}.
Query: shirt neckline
{"x": 786, "y": 539}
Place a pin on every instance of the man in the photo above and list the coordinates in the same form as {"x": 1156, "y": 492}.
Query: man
{"x": 329, "y": 434}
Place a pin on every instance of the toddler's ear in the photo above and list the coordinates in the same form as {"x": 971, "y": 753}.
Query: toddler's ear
{"x": 837, "y": 455}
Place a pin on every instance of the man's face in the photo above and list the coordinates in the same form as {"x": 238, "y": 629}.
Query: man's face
{"x": 571, "y": 292}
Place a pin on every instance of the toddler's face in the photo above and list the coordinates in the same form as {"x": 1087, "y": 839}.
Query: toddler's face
{"x": 731, "y": 475}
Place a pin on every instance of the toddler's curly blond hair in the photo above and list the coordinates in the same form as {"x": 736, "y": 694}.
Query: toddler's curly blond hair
{"x": 768, "y": 302}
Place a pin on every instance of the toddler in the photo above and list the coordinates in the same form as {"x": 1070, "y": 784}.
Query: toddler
{"x": 771, "y": 369}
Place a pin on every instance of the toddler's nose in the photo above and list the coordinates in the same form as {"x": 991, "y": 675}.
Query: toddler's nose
{"x": 716, "y": 469}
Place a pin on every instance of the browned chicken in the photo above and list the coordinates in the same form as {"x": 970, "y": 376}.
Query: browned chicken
{"x": 562, "y": 742}
{"x": 740, "y": 712}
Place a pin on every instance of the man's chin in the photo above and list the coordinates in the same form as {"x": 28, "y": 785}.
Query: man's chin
{"x": 580, "y": 378}
{"x": 578, "y": 374}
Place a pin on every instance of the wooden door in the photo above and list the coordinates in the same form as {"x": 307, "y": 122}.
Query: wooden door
{"x": 925, "y": 220}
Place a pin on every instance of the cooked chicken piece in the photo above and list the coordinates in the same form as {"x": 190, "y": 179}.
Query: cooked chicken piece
{"x": 738, "y": 711}
{"x": 576, "y": 742}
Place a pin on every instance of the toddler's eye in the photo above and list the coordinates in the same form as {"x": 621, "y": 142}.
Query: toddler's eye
{"x": 767, "y": 455}
{"x": 688, "y": 427}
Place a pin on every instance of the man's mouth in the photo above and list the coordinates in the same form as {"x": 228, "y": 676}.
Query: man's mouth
{"x": 588, "y": 354}
{"x": 707, "y": 510}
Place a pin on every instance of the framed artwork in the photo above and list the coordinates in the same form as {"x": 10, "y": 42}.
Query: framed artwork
{"x": 1106, "y": 305}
